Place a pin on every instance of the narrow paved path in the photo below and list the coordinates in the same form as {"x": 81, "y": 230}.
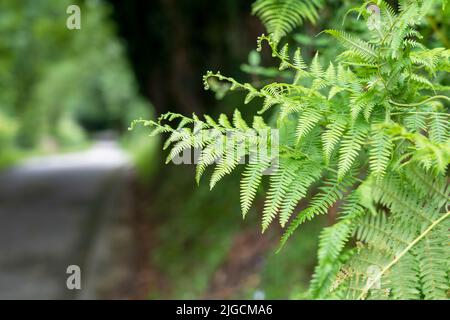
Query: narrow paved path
{"x": 58, "y": 211}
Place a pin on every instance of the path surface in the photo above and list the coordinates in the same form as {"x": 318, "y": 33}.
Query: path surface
{"x": 58, "y": 211}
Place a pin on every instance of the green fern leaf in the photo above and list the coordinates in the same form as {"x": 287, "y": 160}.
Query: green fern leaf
{"x": 433, "y": 255}
{"x": 331, "y": 244}
{"x": 331, "y": 192}
{"x": 306, "y": 175}
{"x": 351, "y": 146}
{"x": 282, "y": 16}
{"x": 307, "y": 121}
{"x": 332, "y": 136}
{"x": 380, "y": 152}
{"x": 439, "y": 127}
{"x": 363, "y": 49}
{"x": 251, "y": 178}
{"x": 279, "y": 187}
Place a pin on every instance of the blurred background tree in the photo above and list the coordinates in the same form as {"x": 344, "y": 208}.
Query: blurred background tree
{"x": 58, "y": 87}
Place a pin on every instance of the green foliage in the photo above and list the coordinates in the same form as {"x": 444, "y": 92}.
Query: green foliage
{"x": 56, "y": 83}
{"x": 251, "y": 179}
{"x": 405, "y": 255}
{"x": 332, "y": 244}
{"x": 367, "y": 136}
{"x": 282, "y": 16}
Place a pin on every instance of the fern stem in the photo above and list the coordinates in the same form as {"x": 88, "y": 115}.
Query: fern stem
{"x": 419, "y": 103}
{"x": 393, "y": 262}
{"x": 419, "y": 112}
{"x": 273, "y": 47}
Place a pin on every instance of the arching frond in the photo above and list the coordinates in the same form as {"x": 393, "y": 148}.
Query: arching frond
{"x": 251, "y": 178}
{"x": 381, "y": 151}
{"x": 282, "y": 16}
{"x": 332, "y": 241}
{"x": 366, "y": 133}
{"x": 351, "y": 146}
{"x": 279, "y": 188}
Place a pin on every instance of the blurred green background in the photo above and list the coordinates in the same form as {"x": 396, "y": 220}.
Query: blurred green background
{"x": 61, "y": 89}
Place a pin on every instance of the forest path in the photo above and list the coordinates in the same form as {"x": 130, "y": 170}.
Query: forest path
{"x": 63, "y": 210}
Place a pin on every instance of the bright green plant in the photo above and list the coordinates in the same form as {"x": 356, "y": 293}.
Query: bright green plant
{"x": 366, "y": 133}
{"x": 282, "y": 16}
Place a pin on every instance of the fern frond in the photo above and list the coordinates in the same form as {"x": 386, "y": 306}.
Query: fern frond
{"x": 380, "y": 152}
{"x": 298, "y": 60}
{"x": 391, "y": 193}
{"x": 433, "y": 256}
{"x": 316, "y": 68}
{"x": 232, "y": 156}
{"x": 332, "y": 241}
{"x": 309, "y": 118}
{"x": 279, "y": 187}
{"x": 426, "y": 184}
{"x": 361, "y": 102}
{"x": 238, "y": 121}
{"x": 363, "y": 49}
{"x": 421, "y": 81}
{"x": 307, "y": 174}
{"x": 282, "y": 16}
{"x": 251, "y": 178}
{"x": 332, "y": 191}
{"x": 416, "y": 122}
{"x": 210, "y": 155}
{"x": 224, "y": 122}
{"x": 332, "y": 135}
{"x": 389, "y": 264}
{"x": 439, "y": 129}
{"x": 371, "y": 105}
{"x": 351, "y": 146}
{"x": 179, "y": 147}
{"x": 398, "y": 31}
{"x": 405, "y": 276}
{"x": 299, "y": 65}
